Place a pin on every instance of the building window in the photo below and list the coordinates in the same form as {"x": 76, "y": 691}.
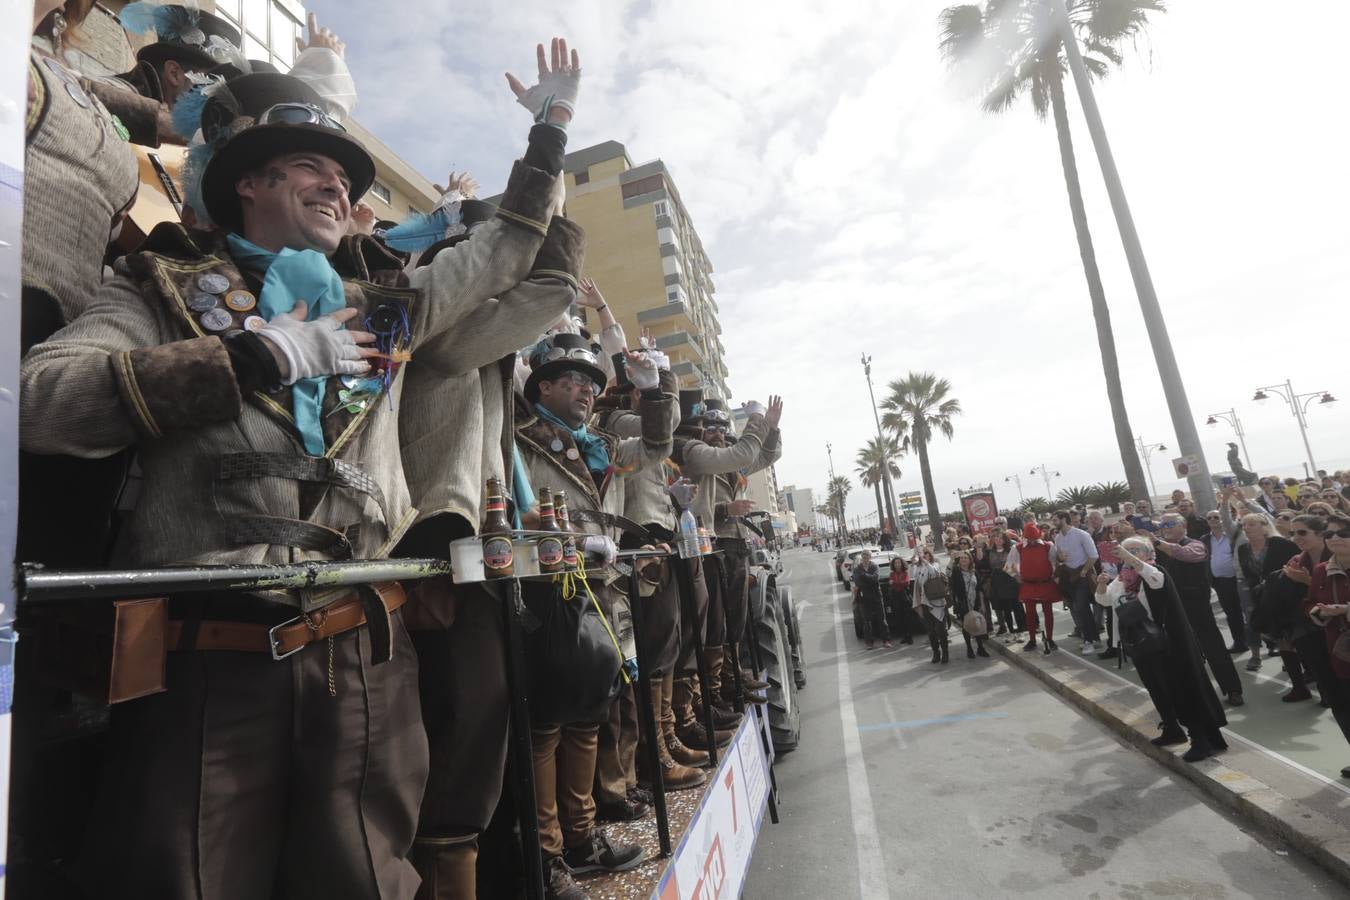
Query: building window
{"x": 661, "y": 207}
{"x": 583, "y": 177}
{"x": 381, "y": 191}
{"x": 269, "y": 31}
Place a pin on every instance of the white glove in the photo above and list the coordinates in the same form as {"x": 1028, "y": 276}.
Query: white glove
{"x": 684, "y": 491}
{"x": 554, "y": 89}
{"x": 613, "y": 340}
{"x": 314, "y": 349}
{"x": 643, "y": 373}
{"x": 755, "y": 408}
{"x": 662, "y": 361}
{"x": 599, "y": 545}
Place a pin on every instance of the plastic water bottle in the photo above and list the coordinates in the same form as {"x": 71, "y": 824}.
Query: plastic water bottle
{"x": 688, "y": 535}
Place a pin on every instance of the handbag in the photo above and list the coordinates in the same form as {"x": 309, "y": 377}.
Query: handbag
{"x": 937, "y": 588}
{"x": 1275, "y": 605}
{"x": 1140, "y": 636}
{"x": 975, "y": 624}
{"x": 575, "y": 668}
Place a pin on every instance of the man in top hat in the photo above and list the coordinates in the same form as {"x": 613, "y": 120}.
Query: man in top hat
{"x": 562, "y": 452}
{"x": 705, "y": 457}
{"x": 256, "y": 369}
{"x": 456, "y": 433}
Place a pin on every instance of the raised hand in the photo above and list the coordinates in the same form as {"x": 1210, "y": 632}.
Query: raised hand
{"x": 459, "y": 181}
{"x": 553, "y": 99}
{"x": 320, "y": 37}
{"x": 642, "y": 370}
{"x": 775, "y": 413}
{"x": 590, "y": 296}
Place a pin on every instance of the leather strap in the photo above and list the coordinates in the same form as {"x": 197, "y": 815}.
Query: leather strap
{"x": 293, "y": 533}
{"x": 342, "y": 615}
{"x": 300, "y": 468}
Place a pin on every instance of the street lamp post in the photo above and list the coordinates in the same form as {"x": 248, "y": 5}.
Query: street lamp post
{"x": 1178, "y": 406}
{"x": 1045, "y": 473}
{"x": 1231, "y": 417}
{"x": 840, "y": 524}
{"x": 1298, "y": 404}
{"x": 1017, "y": 480}
{"x": 881, "y": 446}
{"x": 1146, "y": 451}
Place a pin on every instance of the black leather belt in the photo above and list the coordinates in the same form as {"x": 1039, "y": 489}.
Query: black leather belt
{"x": 319, "y": 469}
{"x": 293, "y": 533}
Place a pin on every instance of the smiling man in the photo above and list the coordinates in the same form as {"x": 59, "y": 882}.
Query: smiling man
{"x": 256, "y": 370}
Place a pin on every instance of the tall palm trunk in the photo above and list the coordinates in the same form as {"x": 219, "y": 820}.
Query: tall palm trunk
{"x": 889, "y": 494}
{"x": 881, "y": 512}
{"x": 1106, "y": 342}
{"x": 929, "y": 492}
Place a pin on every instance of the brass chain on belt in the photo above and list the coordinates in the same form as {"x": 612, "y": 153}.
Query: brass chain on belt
{"x": 315, "y": 626}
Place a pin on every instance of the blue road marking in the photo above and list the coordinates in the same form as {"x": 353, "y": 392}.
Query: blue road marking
{"x": 941, "y": 720}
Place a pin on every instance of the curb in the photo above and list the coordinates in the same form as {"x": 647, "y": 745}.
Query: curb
{"x": 1323, "y": 840}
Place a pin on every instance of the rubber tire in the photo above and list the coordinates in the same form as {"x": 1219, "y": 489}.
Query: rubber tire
{"x": 797, "y": 649}
{"x": 785, "y": 716}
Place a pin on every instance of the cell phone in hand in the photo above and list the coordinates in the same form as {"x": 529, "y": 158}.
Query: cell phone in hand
{"x": 1227, "y": 481}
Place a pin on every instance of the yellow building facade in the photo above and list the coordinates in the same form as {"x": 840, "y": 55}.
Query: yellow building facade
{"x": 647, "y": 259}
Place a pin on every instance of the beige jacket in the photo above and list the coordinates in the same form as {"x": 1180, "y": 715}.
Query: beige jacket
{"x": 226, "y": 478}
{"x": 704, "y": 464}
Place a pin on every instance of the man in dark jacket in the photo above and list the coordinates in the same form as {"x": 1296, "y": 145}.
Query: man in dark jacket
{"x": 867, "y": 601}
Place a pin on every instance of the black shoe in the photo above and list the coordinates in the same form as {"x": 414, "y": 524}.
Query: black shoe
{"x": 599, "y": 855}
{"x": 1234, "y": 698}
{"x": 1296, "y": 694}
{"x": 1169, "y": 737}
{"x": 558, "y": 881}
{"x": 626, "y": 810}
{"x": 725, "y": 718}
{"x": 1001, "y": 631}
{"x": 1109, "y": 653}
{"x": 970, "y": 653}
{"x": 1029, "y": 645}
{"x": 641, "y": 795}
{"x": 1050, "y": 645}
{"x": 1237, "y": 648}
{"x": 982, "y": 652}
{"x": 1201, "y": 748}
{"x": 1345, "y": 773}
{"x": 937, "y": 657}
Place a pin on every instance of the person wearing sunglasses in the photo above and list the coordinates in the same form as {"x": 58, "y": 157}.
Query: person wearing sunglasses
{"x": 1261, "y": 557}
{"x": 1328, "y": 603}
{"x": 1187, "y": 562}
{"x": 1305, "y": 635}
{"x": 1220, "y": 546}
{"x": 251, "y": 368}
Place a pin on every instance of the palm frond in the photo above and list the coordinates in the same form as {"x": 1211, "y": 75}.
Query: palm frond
{"x": 962, "y": 32}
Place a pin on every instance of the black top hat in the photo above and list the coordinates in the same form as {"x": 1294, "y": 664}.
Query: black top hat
{"x": 229, "y": 124}
{"x": 560, "y": 353}
{"x": 475, "y": 212}
{"x": 193, "y": 38}
{"x": 241, "y": 67}
{"x": 691, "y": 406}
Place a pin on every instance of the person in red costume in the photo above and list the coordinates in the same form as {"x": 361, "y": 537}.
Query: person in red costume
{"x": 1034, "y": 568}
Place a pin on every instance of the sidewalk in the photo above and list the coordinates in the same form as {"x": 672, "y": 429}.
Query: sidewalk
{"x": 1285, "y": 799}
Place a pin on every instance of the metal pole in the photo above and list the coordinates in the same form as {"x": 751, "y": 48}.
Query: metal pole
{"x": 1242, "y": 438}
{"x": 522, "y": 742}
{"x": 1146, "y": 451}
{"x": 1188, "y": 438}
{"x": 881, "y": 443}
{"x": 1302, "y": 424}
{"x": 684, "y": 577}
{"x": 648, "y": 716}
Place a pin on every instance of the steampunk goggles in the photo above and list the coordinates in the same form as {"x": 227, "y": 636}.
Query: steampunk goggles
{"x": 298, "y": 114}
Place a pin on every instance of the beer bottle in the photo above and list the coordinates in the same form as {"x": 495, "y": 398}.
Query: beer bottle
{"x": 704, "y": 538}
{"x": 565, "y": 526}
{"x": 550, "y": 548}
{"x": 496, "y": 534}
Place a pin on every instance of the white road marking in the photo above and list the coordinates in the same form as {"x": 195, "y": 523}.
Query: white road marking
{"x": 866, "y": 838}
{"x": 1329, "y": 782}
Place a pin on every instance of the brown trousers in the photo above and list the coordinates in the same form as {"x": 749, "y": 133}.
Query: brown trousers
{"x": 687, "y": 663}
{"x": 564, "y": 772}
{"x": 616, "y": 752}
{"x": 659, "y": 634}
{"x": 728, "y": 581}
{"x": 247, "y": 779}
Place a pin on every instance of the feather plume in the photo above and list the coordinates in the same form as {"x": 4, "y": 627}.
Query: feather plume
{"x": 194, "y": 166}
{"x": 139, "y": 17}
{"x": 418, "y": 231}
{"x": 187, "y": 112}
{"x": 173, "y": 22}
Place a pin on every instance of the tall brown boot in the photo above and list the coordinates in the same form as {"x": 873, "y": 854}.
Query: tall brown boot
{"x": 691, "y": 732}
{"x": 674, "y": 776}
{"x": 666, "y": 723}
{"x": 446, "y": 865}
{"x": 723, "y": 714}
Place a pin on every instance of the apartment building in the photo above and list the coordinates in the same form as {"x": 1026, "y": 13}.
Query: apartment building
{"x": 802, "y": 502}
{"x": 645, "y": 255}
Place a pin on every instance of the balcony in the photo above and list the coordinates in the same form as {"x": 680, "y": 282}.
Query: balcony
{"x": 677, "y": 311}
{"x": 681, "y": 340}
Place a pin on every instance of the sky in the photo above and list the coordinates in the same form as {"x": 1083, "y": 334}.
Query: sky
{"x": 854, "y": 199}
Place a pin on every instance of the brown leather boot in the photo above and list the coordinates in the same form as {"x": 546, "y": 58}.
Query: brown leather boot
{"x": 674, "y": 776}
{"x": 666, "y": 723}
{"x": 691, "y": 732}
{"x": 446, "y": 865}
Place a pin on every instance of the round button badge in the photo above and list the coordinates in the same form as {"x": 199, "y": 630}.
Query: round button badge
{"x": 202, "y": 302}
{"x": 254, "y": 323}
{"x": 556, "y": 446}
{"x": 572, "y": 453}
{"x": 216, "y": 319}
{"x": 240, "y": 301}
{"x": 213, "y": 283}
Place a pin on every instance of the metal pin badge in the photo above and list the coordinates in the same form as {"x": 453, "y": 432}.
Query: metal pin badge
{"x": 572, "y": 453}
{"x": 216, "y": 319}
{"x": 255, "y": 323}
{"x": 556, "y": 446}
{"x": 240, "y": 301}
{"x": 213, "y": 283}
{"x": 202, "y": 302}
{"x": 77, "y": 94}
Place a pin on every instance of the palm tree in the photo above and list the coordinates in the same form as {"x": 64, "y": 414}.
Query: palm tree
{"x": 876, "y": 457}
{"x": 917, "y": 409}
{"x": 1014, "y": 46}
{"x": 838, "y": 497}
{"x": 1075, "y": 496}
{"x": 1036, "y": 505}
{"x": 1110, "y": 493}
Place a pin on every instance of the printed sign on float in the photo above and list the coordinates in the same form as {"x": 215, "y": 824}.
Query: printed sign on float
{"x": 713, "y": 859}
{"x": 1185, "y": 465}
{"x": 981, "y": 510}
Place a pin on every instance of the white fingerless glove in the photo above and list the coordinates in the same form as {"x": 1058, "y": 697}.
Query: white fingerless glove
{"x": 314, "y": 349}
{"x": 601, "y": 546}
{"x": 755, "y": 408}
{"x": 662, "y": 361}
{"x": 553, "y": 89}
{"x": 643, "y": 373}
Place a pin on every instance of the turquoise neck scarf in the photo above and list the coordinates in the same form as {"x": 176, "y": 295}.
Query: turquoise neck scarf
{"x": 592, "y": 448}
{"x": 289, "y": 277}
